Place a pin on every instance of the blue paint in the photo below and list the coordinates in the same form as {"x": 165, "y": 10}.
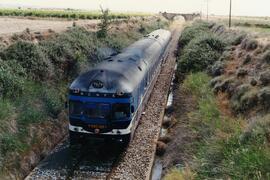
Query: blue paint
{"x": 99, "y": 99}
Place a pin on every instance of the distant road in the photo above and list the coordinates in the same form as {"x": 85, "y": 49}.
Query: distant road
{"x": 16, "y": 25}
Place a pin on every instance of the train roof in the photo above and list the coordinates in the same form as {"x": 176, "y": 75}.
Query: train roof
{"x": 123, "y": 72}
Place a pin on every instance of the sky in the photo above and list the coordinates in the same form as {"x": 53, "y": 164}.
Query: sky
{"x": 217, "y": 7}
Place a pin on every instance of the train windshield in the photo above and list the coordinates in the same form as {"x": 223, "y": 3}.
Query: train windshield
{"x": 98, "y": 110}
{"x": 121, "y": 111}
{"x": 75, "y": 108}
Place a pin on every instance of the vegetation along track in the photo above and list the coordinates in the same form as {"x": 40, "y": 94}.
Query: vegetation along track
{"x": 104, "y": 161}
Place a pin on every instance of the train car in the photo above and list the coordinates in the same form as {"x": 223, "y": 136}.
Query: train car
{"x": 107, "y": 101}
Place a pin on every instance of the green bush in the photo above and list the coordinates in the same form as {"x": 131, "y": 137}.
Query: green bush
{"x": 104, "y": 23}
{"x": 11, "y": 79}
{"x": 69, "y": 49}
{"x": 30, "y": 57}
{"x": 10, "y": 143}
{"x": 6, "y": 109}
{"x": 200, "y": 53}
{"x": 29, "y": 115}
{"x": 192, "y": 32}
{"x": 53, "y": 103}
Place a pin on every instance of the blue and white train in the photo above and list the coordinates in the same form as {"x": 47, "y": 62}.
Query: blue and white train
{"x": 107, "y": 101}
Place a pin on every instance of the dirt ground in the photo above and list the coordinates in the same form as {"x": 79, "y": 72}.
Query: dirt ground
{"x": 10, "y": 26}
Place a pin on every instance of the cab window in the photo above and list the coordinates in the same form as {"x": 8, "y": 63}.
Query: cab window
{"x": 75, "y": 108}
{"x": 98, "y": 110}
{"x": 121, "y": 110}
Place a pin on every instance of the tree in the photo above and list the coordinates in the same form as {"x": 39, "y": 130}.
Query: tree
{"x": 104, "y": 23}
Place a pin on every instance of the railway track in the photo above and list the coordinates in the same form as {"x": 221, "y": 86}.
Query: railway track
{"x": 79, "y": 163}
{"x": 97, "y": 160}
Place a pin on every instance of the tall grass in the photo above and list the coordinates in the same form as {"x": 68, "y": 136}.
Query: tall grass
{"x": 226, "y": 149}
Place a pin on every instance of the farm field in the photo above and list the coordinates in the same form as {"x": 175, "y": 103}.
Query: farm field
{"x": 65, "y": 13}
{"x": 17, "y": 25}
{"x": 258, "y": 26}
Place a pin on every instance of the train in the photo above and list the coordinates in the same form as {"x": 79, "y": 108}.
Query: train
{"x": 107, "y": 101}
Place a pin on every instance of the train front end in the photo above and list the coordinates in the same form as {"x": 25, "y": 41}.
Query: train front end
{"x": 98, "y": 108}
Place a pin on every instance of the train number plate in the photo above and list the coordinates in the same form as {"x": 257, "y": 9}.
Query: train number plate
{"x": 97, "y": 126}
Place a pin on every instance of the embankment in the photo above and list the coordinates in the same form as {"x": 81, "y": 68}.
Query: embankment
{"x": 222, "y": 130}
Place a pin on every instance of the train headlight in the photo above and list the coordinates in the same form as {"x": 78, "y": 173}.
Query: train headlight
{"x": 76, "y": 91}
{"x": 120, "y": 93}
{"x": 97, "y": 131}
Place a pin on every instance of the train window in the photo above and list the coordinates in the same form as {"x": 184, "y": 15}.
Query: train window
{"x": 75, "y": 108}
{"x": 121, "y": 111}
{"x": 98, "y": 110}
{"x": 132, "y": 109}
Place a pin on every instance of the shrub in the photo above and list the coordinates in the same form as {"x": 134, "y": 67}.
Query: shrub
{"x": 6, "y": 109}
{"x": 11, "y": 79}
{"x": 69, "y": 49}
{"x": 10, "y": 142}
{"x": 226, "y": 85}
{"x": 264, "y": 97}
{"x": 241, "y": 72}
{"x": 200, "y": 53}
{"x": 104, "y": 24}
{"x": 216, "y": 80}
{"x": 52, "y": 101}
{"x": 237, "y": 38}
{"x": 247, "y": 59}
{"x": 217, "y": 69}
{"x": 30, "y": 57}
{"x": 191, "y": 32}
{"x": 266, "y": 57}
{"x": 249, "y": 100}
{"x": 265, "y": 77}
{"x": 249, "y": 44}
{"x": 236, "y": 98}
{"x": 29, "y": 115}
